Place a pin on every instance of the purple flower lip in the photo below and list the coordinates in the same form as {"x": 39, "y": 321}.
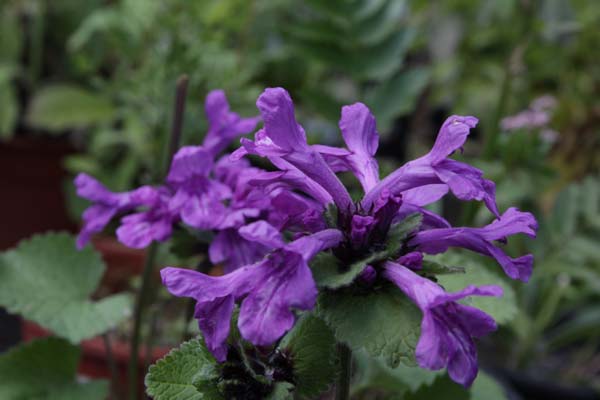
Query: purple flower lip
{"x": 268, "y": 290}
{"x": 448, "y": 327}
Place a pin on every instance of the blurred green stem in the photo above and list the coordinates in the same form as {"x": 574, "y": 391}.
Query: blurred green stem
{"x": 146, "y": 292}
{"x": 342, "y": 387}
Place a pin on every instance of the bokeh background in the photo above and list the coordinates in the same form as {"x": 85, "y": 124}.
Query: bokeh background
{"x": 87, "y": 85}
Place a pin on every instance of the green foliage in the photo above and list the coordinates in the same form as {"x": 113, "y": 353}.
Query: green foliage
{"x": 187, "y": 372}
{"x": 46, "y": 280}
{"x": 374, "y": 374}
{"x": 61, "y": 107}
{"x": 8, "y": 101}
{"x": 46, "y": 369}
{"x": 383, "y": 322}
{"x": 312, "y": 348}
{"x": 484, "y": 388}
{"x": 357, "y": 51}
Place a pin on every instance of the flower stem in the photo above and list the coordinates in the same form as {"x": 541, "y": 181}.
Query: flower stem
{"x": 342, "y": 387}
{"x": 140, "y": 306}
{"x": 146, "y": 292}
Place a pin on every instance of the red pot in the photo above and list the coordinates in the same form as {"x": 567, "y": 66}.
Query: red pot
{"x": 32, "y": 177}
{"x": 94, "y": 360}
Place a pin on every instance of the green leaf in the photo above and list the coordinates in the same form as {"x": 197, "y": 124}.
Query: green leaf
{"x": 400, "y": 231}
{"x": 486, "y": 388}
{"x": 48, "y": 281}
{"x": 311, "y": 346}
{"x": 384, "y": 322}
{"x": 61, "y": 107}
{"x": 399, "y": 95}
{"x": 181, "y": 373}
{"x": 383, "y": 60}
{"x": 282, "y": 391}
{"x": 328, "y": 272}
{"x": 503, "y": 309}
{"x": 372, "y": 373}
{"x": 46, "y": 369}
{"x": 435, "y": 268}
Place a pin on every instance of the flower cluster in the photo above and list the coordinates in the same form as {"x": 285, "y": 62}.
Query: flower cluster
{"x": 270, "y": 224}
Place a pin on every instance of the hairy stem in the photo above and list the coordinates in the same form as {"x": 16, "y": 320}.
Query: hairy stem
{"x": 342, "y": 387}
{"x": 147, "y": 289}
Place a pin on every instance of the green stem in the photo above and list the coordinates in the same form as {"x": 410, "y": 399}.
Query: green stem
{"x": 112, "y": 367}
{"x": 342, "y": 387}
{"x": 146, "y": 293}
{"x": 140, "y": 306}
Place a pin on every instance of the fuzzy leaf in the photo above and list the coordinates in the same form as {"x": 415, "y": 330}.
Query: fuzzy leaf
{"x": 311, "y": 345}
{"x": 48, "y": 281}
{"x": 46, "y": 369}
{"x": 384, "y": 322}
{"x": 182, "y": 373}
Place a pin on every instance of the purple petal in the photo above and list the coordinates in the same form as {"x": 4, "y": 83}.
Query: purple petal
{"x": 262, "y": 232}
{"x": 286, "y": 283}
{"x": 359, "y": 131}
{"x": 451, "y": 137}
{"x": 277, "y": 110}
{"x": 436, "y": 241}
{"x": 467, "y": 183}
{"x": 214, "y": 322}
{"x": 188, "y": 162}
{"x": 412, "y": 260}
{"x": 448, "y": 328}
{"x": 232, "y": 251}
{"x": 224, "y": 125}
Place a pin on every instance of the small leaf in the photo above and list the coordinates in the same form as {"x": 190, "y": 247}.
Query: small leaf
{"x": 48, "y": 281}
{"x": 328, "y": 272}
{"x": 61, "y": 107}
{"x": 181, "y": 373}
{"x": 46, "y": 369}
{"x": 435, "y": 268}
{"x": 384, "y": 322}
{"x": 400, "y": 231}
{"x": 311, "y": 346}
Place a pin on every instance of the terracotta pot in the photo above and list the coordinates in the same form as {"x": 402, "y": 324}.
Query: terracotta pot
{"x": 32, "y": 176}
{"x": 94, "y": 360}
{"x": 122, "y": 263}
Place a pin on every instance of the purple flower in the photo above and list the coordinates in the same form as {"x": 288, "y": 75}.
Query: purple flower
{"x": 425, "y": 175}
{"x": 283, "y": 138}
{"x": 447, "y": 328}
{"x": 513, "y": 221}
{"x": 268, "y": 290}
{"x": 153, "y": 224}
{"x": 224, "y": 125}
{"x": 359, "y": 131}
{"x": 106, "y": 204}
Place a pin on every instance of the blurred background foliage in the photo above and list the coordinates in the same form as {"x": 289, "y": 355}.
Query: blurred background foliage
{"x": 101, "y": 73}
